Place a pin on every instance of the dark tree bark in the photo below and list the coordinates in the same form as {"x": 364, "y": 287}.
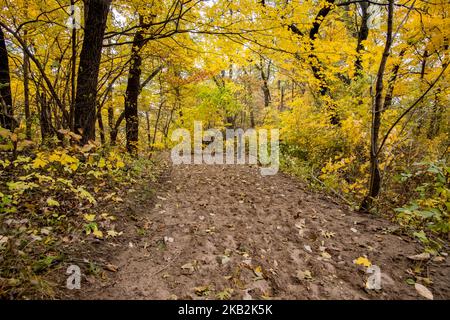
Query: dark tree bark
{"x": 313, "y": 33}
{"x": 73, "y": 69}
{"x": 96, "y": 12}
{"x": 45, "y": 118}
{"x": 110, "y": 122}
{"x": 391, "y": 84}
{"x": 363, "y": 34}
{"x": 158, "y": 117}
{"x": 100, "y": 125}
{"x": 436, "y": 116}
{"x": 132, "y": 94}
{"x": 134, "y": 88}
{"x": 265, "y": 76}
{"x": 115, "y": 129}
{"x": 313, "y": 60}
{"x": 282, "y": 94}
{"x": 149, "y": 136}
{"x": 26, "y": 93}
{"x": 7, "y": 120}
{"x": 375, "y": 175}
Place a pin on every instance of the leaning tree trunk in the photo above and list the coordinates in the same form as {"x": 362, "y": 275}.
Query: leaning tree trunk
{"x": 375, "y": 176}
{"x": 6, "y": 110}
{"x": 90, "y": 56}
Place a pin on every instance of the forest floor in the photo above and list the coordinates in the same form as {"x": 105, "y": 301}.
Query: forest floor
{"x": 227, "y": 232}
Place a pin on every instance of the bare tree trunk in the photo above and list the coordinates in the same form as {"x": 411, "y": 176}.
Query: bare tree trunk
{"x": 375, "y": 176}
{"x": 110, "y": 121}
{"x": 149, "y": 136}
{"x": 282, "y": 93}
{"x": 134, "y": 88}
{"x": 7, "y": 120}
{"x": 132, "y": 93}
{"x": 26, "y": 93}
{"x": 45, "y": 118}
{"x": 73, "y": 69}
{"x": 158, "y": 116}
{"x": 100, "y": 125}
{"x": 391, "y": 85}
{"x": 436, "y": 116}
{"x": 90, "y": 56}
{"x": 265, "y": 76}
{"x": 363, "y": 34}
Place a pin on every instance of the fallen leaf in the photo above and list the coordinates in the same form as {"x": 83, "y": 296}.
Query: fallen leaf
{"x": 304, "y": 275}
{"x": 438, "y": 259}
{"x": 308, "y": 248}
{"x": 423, "y": 291}
{"x": 3, "y": 239}
{"x": 225, "y": 294}
{"x": 327, "y": 234}
{"x": 111, "y": 267}
{"x": 223, "y": 259}
{"x": 202, "y": 291}
{"x": 258, "y": 272}
{"x": 326, "y": 255}
{"x": 89, "y": 217}
{"x": 301, "y": 224}
{"x": 52, "y": 203}
{"x": 188, "y": 267}
{"x": 113, "y": 233}
{"x": 362, "y": 261}
{"x": 420, "y": 257}
{"x": 97, "y": 233}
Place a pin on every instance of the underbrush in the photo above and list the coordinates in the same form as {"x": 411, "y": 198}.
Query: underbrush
{"x": 415, "y": 195}
{"x": 52, "y": 203}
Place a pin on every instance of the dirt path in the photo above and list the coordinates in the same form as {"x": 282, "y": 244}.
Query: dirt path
{"x": 218, "y": 227}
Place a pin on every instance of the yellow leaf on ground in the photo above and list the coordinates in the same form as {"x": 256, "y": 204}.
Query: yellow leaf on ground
{"x": 89, "y": 217}
{"x": 52, "y": 203}
{"x": 39, "y": 163}
{"x": 97, "y": 233}
{"x": 258, "y": 271}
{"x": 362, "y": 261}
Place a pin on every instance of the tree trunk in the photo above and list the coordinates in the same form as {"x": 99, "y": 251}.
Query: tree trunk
{"x": 7, "y": 120}
{"x": 101, "y": 128}
{"x": 132, "y": 94}
{"x": 110, "y": 121}
{"x": 375, "y": 176}
{"x": 149, "y": 136}
{"x": 391, "y": 84}
{"x": 363, "y": 34}
{"x": 436, "y": 116}
{"x": 73, "y": 69}
{"x": 26, "y": 93}
{"x": 45, "y": 118}
{"x": 158, "y": 116}
{"x": 96, "y": 12}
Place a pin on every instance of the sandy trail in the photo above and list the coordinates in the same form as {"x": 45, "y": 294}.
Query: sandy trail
{"x": 216, "y": 228}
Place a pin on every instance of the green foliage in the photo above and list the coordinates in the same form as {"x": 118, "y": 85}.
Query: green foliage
{"x": 431, "y": 209}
